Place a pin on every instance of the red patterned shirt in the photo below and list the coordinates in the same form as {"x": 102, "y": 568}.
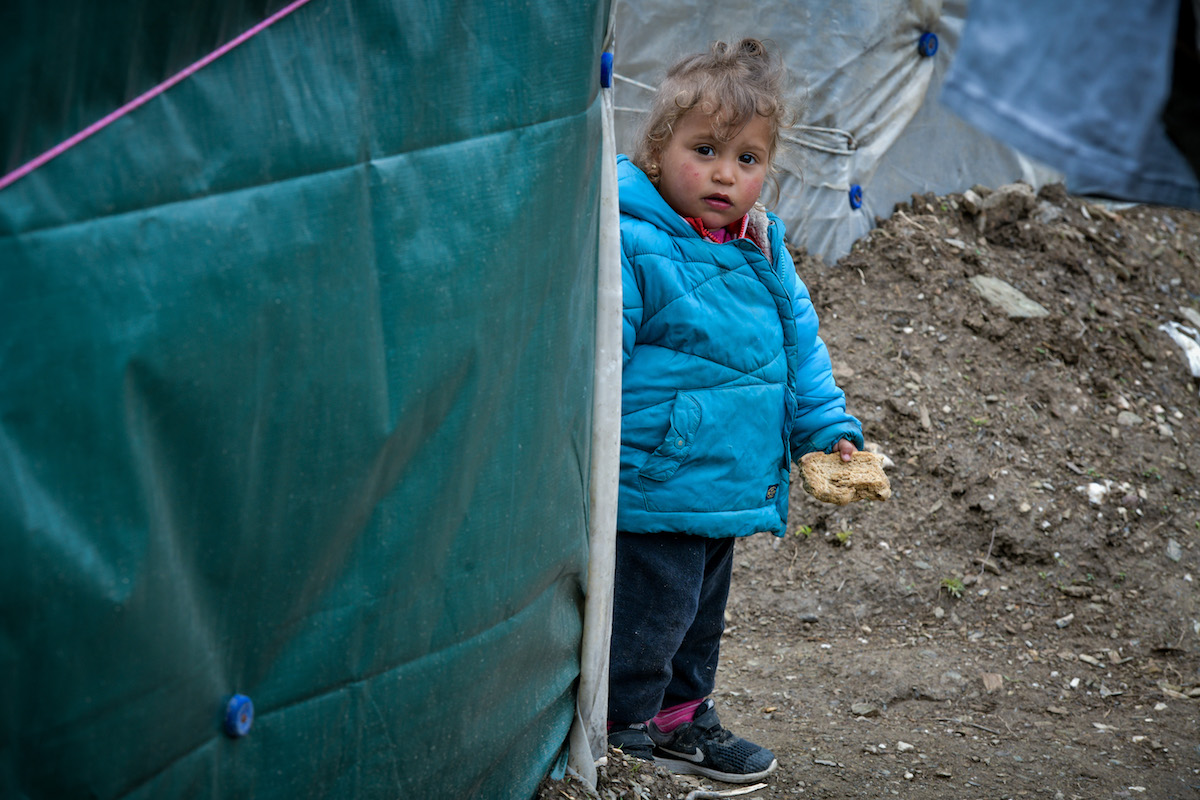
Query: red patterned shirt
{"x": 734, "y": 230}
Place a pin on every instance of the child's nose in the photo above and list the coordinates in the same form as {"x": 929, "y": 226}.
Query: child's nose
{"x": 723, "y": 172}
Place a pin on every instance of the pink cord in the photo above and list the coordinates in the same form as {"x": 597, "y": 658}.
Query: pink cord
{"x": 95, "y": 127}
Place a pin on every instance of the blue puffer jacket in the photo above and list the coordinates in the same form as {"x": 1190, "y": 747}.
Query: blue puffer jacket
{"x": 725, "y": 378}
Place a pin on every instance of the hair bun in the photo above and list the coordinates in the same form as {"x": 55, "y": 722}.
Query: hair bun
{"x": 752, "y": 47}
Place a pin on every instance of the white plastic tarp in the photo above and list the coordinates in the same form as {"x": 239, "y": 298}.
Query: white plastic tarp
{"x": 1082, "y": 85}
{"x": 859, "y": 78}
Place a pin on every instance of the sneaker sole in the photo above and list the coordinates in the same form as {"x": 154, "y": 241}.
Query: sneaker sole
{"x": 689, "y": 768}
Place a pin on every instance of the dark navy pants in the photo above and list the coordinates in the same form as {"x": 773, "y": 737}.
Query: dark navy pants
{"x": 668, "y": 616}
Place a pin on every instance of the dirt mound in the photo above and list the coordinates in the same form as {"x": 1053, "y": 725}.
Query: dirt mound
{"x": 1021, "y": 617}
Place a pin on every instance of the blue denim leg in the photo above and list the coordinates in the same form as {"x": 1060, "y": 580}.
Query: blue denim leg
{"x": 668, "y": 617}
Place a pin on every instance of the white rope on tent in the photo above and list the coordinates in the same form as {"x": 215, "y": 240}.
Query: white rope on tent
{"x": 632, "y": 82}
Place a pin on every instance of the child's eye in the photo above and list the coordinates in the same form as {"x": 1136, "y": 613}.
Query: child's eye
{"x": 748, "y": 158}
{"x": 704, "y": 150}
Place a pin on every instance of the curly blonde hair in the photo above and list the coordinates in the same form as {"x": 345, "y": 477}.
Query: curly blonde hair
{"x": 730, "y": 83}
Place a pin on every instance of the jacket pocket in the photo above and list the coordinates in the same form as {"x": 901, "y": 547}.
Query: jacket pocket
{"x": 685, "y": 421}
{"x": 724, "y": 451}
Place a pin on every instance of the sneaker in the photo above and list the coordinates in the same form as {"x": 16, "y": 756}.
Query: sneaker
{"x": 633, "y": 740}
{"x": 703, "y": 747}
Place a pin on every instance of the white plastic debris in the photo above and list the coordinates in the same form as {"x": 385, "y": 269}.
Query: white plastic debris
{"x": 1188, "y": 340}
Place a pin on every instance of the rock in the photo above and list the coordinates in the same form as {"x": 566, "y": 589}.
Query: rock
{"x": 904, "y": 747}
{"x": 1174, "y": 551}
{"x": 1008, "y": 204}
{"x": 901, "y": 408}
{"x": 1047, "y": 212}
{"x": 1007, "y": 298}
{"x": 952, "y": 677}
{"x": 864, "y": 710}
{"x": 1063, "y": 622}
{"x": 1128, "y": 419}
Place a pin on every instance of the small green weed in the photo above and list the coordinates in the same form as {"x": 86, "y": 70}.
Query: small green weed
{"x": 803, "y": 530}
{"x": 843, "y": 537}
{"x": 953, "y": 586}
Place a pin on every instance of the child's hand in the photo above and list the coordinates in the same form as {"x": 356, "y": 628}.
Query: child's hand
{"x": 846, "y": 448}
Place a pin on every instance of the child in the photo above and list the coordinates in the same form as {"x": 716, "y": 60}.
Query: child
{"x": 725, "y": 382}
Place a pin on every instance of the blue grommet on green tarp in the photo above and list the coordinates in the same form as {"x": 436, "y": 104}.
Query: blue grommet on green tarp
{"x": 856, "y": 197}
{"x": 239, "y": 716}
{"x": 928, "y": 44}
{"x": 606, "y": 70}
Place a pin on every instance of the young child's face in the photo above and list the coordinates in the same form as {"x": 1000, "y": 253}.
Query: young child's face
{"x": 710, "y": 179}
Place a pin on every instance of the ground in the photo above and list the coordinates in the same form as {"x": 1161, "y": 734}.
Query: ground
{"x": 1020, "y": 619}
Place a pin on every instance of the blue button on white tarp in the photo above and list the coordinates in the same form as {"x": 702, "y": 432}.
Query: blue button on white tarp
{"x": 856, "y": 195}
{"x": 927, "y": 44}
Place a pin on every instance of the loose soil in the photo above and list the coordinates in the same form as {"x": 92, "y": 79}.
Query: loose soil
{"x": 1020, "y": 619}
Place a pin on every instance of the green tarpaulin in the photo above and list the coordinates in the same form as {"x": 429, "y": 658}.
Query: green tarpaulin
{"x": 295, "y": 394}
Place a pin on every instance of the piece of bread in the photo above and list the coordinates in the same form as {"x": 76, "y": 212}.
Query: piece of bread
{"x": 830, "y": 479}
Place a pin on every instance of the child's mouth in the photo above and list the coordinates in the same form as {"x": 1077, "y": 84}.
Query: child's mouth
{"x": 718, "y": 202}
